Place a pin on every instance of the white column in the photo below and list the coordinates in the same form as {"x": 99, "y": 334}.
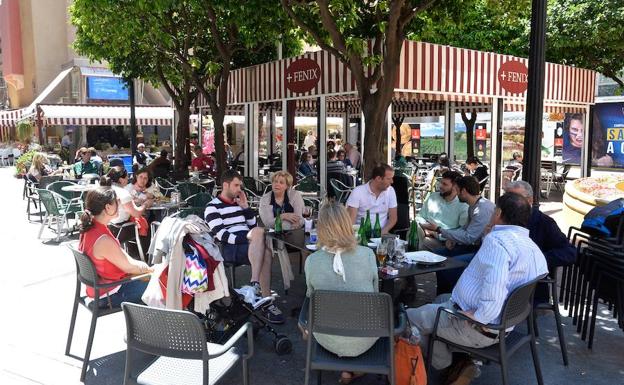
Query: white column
{"x": 248, "y": 141}
{"x": 495, "y": 129}
{"x": 322, "y": 110}
{"x": 254, "y": 142}
{"x": 449, "y": 129}
{"x": 586, "y": 150}
{"x": 285, "y": 136}
{"x": 389, "y": 134}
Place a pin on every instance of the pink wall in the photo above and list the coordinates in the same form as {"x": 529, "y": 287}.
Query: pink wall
{"x": 10, "y": 31}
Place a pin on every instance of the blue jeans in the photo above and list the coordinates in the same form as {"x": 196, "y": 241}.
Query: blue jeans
{"x": 128, "y": 292}
{"x": 448, "y": 278}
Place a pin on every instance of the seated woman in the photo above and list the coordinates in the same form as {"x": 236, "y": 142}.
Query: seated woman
{"x": 117, "y": 178}
{"x": 285, "y": 199}
{"x": 306, "y": 167}
{"x": 475, "y": 168}
{"x": 341, "y": 265}
{"x": 41, "y": 167}
{"x": 142, "y": 190}
{"x": 99, "y": 244}
{"x": 342, "y": 156}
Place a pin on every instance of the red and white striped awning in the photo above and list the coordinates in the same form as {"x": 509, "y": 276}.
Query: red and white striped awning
{"x": 105, "y": 115}
{"x": 428, "y": 72}
{"x": 10, "y": 118}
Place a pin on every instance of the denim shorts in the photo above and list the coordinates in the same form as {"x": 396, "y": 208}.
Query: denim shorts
{"x": 237, "y": 254}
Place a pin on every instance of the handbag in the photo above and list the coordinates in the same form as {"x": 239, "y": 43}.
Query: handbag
{"x": 409, "y": 366}
{"x": 195, "y": 279}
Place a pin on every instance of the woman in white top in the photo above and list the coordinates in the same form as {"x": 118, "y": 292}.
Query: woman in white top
{"x": 142, "y": 190}
{"x": 117, "y": 178}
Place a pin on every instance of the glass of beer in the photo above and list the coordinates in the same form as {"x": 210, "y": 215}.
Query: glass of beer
{"x": 381, "y": 254}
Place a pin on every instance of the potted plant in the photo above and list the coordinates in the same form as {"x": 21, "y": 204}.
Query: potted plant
{"x": 25, "y": 130}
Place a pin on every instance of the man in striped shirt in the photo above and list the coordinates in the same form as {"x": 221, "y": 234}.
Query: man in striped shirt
{"x": 507, "y": 259}
{"x": 233, "y": 223}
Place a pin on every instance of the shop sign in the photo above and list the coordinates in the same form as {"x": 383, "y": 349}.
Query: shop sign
{"x": 302, "y": 75}
{"x": 513, "y": 76}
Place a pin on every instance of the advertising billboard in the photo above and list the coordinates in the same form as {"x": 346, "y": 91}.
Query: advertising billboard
{"x": 106, "y": 88}
{"x": 607, "y": 149}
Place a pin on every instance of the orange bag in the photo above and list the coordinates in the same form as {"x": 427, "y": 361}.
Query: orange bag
{"x": 409, "y": 365}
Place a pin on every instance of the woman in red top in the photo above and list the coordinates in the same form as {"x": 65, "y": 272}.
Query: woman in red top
{"x": 111, "y": 262}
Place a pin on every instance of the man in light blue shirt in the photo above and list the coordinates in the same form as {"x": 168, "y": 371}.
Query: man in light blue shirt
{"x": 507, "y": 259}
{"x": 467, "y": 238}
{"x": 444, "y": 209}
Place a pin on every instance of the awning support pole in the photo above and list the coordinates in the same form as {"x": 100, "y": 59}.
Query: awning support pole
{"x": 535, "y": 99}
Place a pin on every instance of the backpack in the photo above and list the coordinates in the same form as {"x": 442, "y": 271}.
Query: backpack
{"x": 605, "y": 221}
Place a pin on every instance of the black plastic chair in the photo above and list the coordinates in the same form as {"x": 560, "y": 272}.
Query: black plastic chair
{"x": 32, "y": 199}
{"x": 517, "y": 308}
{"x": 351, "y": 314}
{"x": 87, "y": 275}
{"x": 179, "y": 339}
{"x": 553, "y": 305}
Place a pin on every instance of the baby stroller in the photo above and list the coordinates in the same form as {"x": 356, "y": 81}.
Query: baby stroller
{"x": 227, "y": 315}
{"x": 224, "y": 315}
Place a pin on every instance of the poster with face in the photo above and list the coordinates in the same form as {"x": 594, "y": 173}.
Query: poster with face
{"x": 607, "y": 149}
{"x": 573, "y": 132}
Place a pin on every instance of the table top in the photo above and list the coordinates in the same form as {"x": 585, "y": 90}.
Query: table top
{"x": 166, "y": 205}
{"x": 79, "y": 187}
{"x": 298, "y": 239}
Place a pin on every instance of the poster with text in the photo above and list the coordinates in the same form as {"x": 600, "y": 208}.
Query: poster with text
{"x": 607, "y": 148}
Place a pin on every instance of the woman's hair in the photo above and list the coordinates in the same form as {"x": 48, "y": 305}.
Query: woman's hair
{"x": 303, "y": 157}
{"x": 39, "y": 160}
{"x": 95, "y": 203}
{"x": 342, "y": 152}
{"x": 143, "y": 170}
{"x": 113, "y": 176}
{"x": 283, "y": 174}
{"x": 335, "y": 229}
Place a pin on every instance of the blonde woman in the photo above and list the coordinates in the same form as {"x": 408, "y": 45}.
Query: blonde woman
{"x": 341, "y": 265}
{"x": 41, "y": 167}
{"x": 287, "y": 200}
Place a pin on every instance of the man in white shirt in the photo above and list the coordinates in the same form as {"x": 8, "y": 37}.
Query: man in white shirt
{"x": 507, "y": 259}
{"x": 309, "y": 140}
{"x": 378, "y": 196}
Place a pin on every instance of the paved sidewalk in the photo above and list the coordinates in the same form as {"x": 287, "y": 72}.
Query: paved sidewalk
{"x": 36, "y": 289}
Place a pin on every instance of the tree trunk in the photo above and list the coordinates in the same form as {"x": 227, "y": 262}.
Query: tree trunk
{"x": 182, "y": 139}
{"x": 469, "y": 123}
{"x": 374, "y": 111}
{"x": 398, "y": 122}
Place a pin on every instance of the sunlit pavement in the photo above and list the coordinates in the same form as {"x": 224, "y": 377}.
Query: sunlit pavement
{"x": 36, "y": 292}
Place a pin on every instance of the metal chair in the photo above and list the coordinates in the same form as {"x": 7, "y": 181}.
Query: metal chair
{"x": 517, "y": 308}
{"x": 187, "y": 189}
{"x": 341, "y": 190}
{"x": 137, "y": 238}
{"x": 196, "y": 205}
{"x": 554, "y": 307}
{"x": 57, "y": 187}
{"x": 57, "y": 208}
{"x": 86, "y": 274}
{"x": 308, "y": 185}
{"x": 354, "y": 315}
{"x": 179, "y": 339}
{"x": 166, "y": 187}
{"x": 32, "y": 198}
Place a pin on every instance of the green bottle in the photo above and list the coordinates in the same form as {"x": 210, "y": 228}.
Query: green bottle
{"x": 377, "y": 228}
{"x": 412, "y": 239}
{"x": 362, "y": 233}
{"x": 278, "y": 221}
{"x": 367, "y": 225}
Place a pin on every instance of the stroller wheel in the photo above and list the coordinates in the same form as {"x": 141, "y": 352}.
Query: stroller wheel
{"x": 282, "y": 345}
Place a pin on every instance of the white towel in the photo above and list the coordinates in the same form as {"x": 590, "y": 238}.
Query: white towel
{"x": 338, "y": 266}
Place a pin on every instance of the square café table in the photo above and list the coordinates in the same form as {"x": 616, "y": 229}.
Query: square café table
{"x": 389, "y": 283}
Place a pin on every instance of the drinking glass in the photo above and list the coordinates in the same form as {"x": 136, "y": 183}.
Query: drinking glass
{"x": 381, "y": 254}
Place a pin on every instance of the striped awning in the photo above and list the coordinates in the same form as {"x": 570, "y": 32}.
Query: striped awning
{"x": 428, "y": 72}
{"x": 105, "y": 115}
{"x": 10, "y": 118}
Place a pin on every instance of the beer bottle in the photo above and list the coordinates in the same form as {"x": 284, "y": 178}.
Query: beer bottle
{"x": 377, "y": 228}
{"x": 367, "y": 225}
{"x": 412, "y": 241}
{"x": 362, "y": 233}
{"x": 278, "y": 221}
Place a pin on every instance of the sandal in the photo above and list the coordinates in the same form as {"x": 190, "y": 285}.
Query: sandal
{"x": 348, "y": 377}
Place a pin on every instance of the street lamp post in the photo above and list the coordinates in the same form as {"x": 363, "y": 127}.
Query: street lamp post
{"x": 535, "y": 99}
{"x": 133, "y": 125}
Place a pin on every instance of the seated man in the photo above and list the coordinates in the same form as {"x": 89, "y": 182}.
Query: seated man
{"x": 378, "y": 196}
{"x": 233, "y": 223}
{"x": 444, "y": 209}
{"x": 546, "y": 234}
{"x": 333, "y": 164}
{"x": 467, "y": 238}
{"x": 85, "y": 165}
{"x": 202, "y": 162}
{"x": 507, "y": 259}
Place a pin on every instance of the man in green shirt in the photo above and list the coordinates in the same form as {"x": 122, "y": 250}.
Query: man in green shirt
{"x": 85, "y": 165}
{"x": 442, "y": 208}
